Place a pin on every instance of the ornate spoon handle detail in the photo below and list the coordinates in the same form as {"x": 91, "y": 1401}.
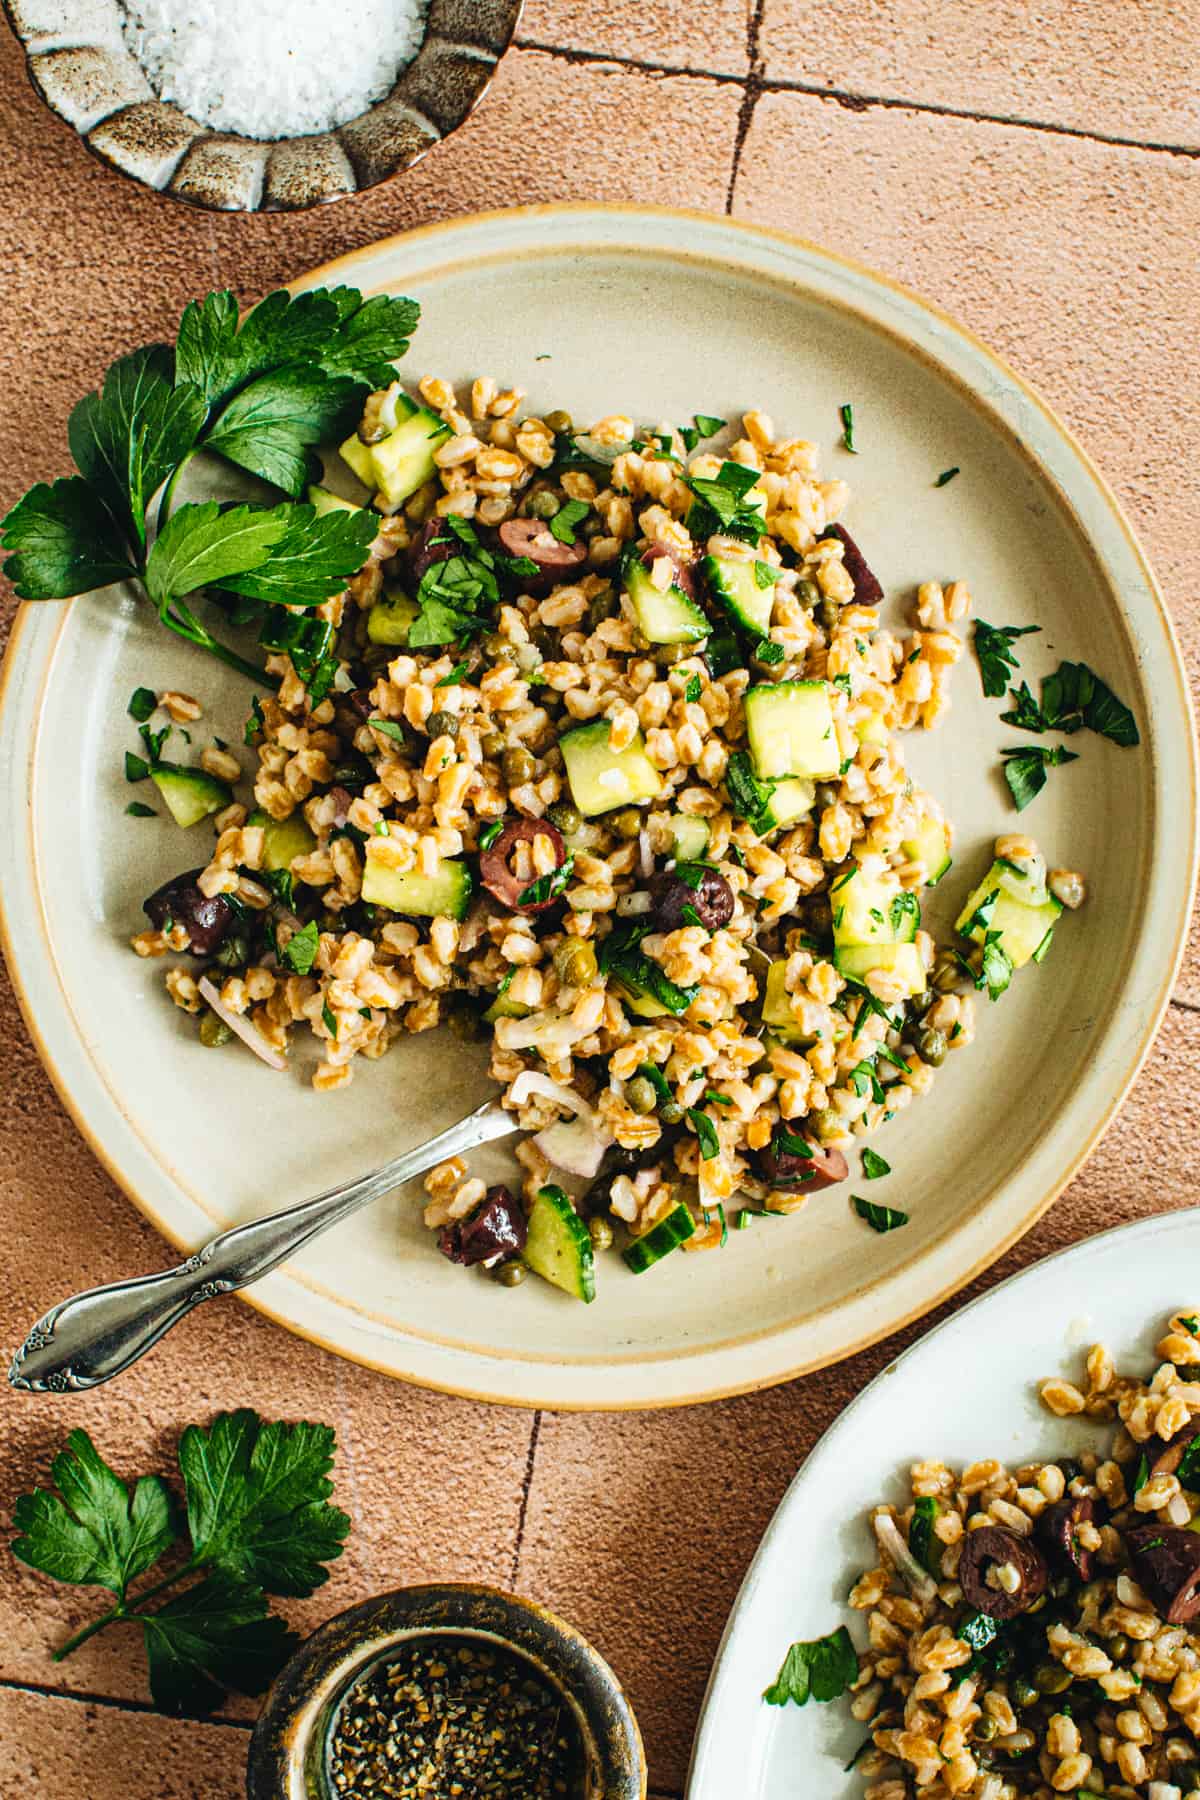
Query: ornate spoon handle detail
{"x": 95, "y": 1335}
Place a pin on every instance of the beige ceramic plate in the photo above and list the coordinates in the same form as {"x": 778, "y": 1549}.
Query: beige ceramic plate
{"x": 658, "y": 314}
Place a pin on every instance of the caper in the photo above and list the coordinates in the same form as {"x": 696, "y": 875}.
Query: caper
{"x": 493, "y": 643}
{"x": 213, "y": 1031}
{"x": 565, "y": 816}
{"x": 545, "y": 641}
{"x": 828, "y": 612}
{"x": 628, "y": 822}
{"x": 575, "y": 963}
{"x": 518, "y": 766}
{"x": 604, "y": 606}
{"x": 1117, "y": 1646}
{"x": 818, "y": 915}
{"x": 543, "y": 505}
{"x": 1051, "y": 1678}
{"x": 946, "y": 978}
{"x": 931, "y": 1045}
{"x": 600, "y": 1232}
{"x": 826, "y": 1122}
{"x": 809, "y": 592}
{"x": 1188, "y": 1371}
{"x": 509, "y": 1274}
{"x": 670, "y": 1112}
{"x": 920, "y": 1004}
{"x": 234, "y": 953}
{"x": 641, "y": 1095}
{"x": 826, "y": 794}
{"x": 492, "y": 745}
{"x": 442, "y": 724}
{"x": 559, "y": 421}
{"x": 986, "y": 1728}
{"x": 1023, "y": 1692}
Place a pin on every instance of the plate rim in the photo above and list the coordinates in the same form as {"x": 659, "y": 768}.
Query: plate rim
{"x": 843, "y": 1423}
{"x": 539, "y": 1371}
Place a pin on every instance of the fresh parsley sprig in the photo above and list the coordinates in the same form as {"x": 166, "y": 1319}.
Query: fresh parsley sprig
{"x": 994, "y": 649}
{"x": 1025, "y": 767}
{"x": 721, "y": 504}
{"x": 1073, "y": 699}
{"x": 260, "y": 394}
{"x": 821, "y": 1669}
{"x": 255, "y": 1519}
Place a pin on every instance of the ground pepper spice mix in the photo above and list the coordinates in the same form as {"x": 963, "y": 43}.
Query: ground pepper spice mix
{"x": 453, "y": 1719}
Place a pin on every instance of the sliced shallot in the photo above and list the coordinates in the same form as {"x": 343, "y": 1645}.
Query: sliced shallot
{"x": 250, "y": 1036}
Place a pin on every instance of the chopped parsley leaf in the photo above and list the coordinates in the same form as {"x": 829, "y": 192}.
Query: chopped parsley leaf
{"x": 136, "y": 768}
{"x": 706, "y": 1131}
{"x": 765, "y": 574}
{"x": 389, "y": 728}
{"x": 300, "y": 952}
{"x": 136, "y": 810}
{"x": 547, "y": 886}
{"x": 879, "y": 1218}
{"x": 768, "y": 651}
{"x": 255, "y": 723}
{"x": 657, "y": 1080}
{"x": 490, "y": 833}
{"x": 690, "y": 916}
{"x": 707, "y": 425}
{"x": 455, "y": 676}
{"x": 947, "y": 475}
{"x": 329, "y": 1020}
{"x": 1025, "y": 768}
{"x": 563, "y": 524}
{"x": 846, "y": 415}
{"x": 994, "y": 649}
{"x": 692, "y": 691}
{"x": 820, "y": 1670}
{"x": 142, "y": 703}
{"x": 874, "y": 1165}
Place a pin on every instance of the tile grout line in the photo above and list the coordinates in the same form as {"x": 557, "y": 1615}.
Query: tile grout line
{"x": 853, "y": 101}
{"x": 751, "y": 90}
{"x": 526, "y": 1485}
{"x": 84, "y": 1697}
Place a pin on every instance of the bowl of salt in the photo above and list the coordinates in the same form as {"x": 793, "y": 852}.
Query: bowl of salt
{"x": 273, "y": 106}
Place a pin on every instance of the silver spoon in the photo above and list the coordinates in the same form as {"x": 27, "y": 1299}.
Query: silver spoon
{"x": 98, "y": 1334}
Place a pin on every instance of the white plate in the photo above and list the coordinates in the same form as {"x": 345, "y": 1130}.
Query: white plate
{"x": 966, "y": 1391}
{"x": 662, "y": 314}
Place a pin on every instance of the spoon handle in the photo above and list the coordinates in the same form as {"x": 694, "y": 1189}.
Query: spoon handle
{"x": 97, "y": 1334}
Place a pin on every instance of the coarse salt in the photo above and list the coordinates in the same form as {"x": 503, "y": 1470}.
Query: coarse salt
{"x": 275, "y": 68}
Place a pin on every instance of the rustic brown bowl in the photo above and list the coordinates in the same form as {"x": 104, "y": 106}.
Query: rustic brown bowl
{"x": 80, "y": 65}
{"x": 287, "y": 1749}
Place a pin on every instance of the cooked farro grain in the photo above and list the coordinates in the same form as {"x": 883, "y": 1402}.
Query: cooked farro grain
{"x": 659, "y": 934}
{"x": 1065, "y": 1657}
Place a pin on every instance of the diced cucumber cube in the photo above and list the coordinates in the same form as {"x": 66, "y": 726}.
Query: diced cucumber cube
{"x": 664, "y": 615}
{"x": 190, "y": 794}
{"x": 930, "y": 846}
{"x": 870, "y": 910}
{"x": 358, "y": 455}
{"x": 602, "y": 778}
{"x": 283, "y": 839}
{"x": 691, "y": 837}
{"x": 675, "y": 1229}
{"x": 788, "y": 800}
{"x": 558, "y": 1247}
{"x": 1021, "y": 926}
{"x": 323, "y": 501}
{"x": 736, "y": 586}
{"x": 403, "y": 461}
{"x": 391, "y": 616}
{"x": 903, "y": 961}
{"x": 445, "y": 894}
{"x": 791, "y": 730}
{"x": 777, "y": 1014}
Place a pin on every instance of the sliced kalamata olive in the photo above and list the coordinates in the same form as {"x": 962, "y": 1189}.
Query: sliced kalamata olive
{"x": 711, "y": 899}
{"x": 1058, "y": 1530}
{"x": 497, "y": 1227}
{"x": 1164, "y": 1455}
{"x": 434, "y": 543}
{"x": 1166, "y": 1561}
{"x": 360, "y": 702}
{"x": 992, "y": 1547}
{"x": 496, "y": 874}
{"x": 784, "y": 1168}
{"x": 180, "y": 902}
{"x": 682, "y": 574}
{"x": 867, "y": 590}
{"x": 534, "y": 538}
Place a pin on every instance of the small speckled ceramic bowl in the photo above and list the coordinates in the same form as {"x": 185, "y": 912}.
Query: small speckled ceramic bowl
{"x": 79, "y": 63}
{"x": 288, "y": 1749}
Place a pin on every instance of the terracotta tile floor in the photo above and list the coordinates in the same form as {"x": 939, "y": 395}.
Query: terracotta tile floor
{"x": 1047, "y": 194}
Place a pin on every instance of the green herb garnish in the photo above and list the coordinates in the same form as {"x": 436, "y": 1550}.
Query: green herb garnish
{"x": 142, "y": 703}
{"x": 136, "y": 767}
{"x": 547, "y": 886}
{"x": 490, "y": 833}
{"x": 921, "y": 1540}
{"x": 657, "y": 1080}
{"x": 879, "y": 1218}
{"x": 329, "y": 1019}
{"x": 946, "y": 475}
{"x": 707, "y": 425}
{"x": 766, "y": 574}
{"x": 1073, "y": 699}
{"x": 693, "y": 690}
{"x": 768, "y": 651}
{"x": 563, "y": 524}
{"x": 137, "y": 809}
{"x": 256, "y": 723}
{"x": 846, "y": 415}
{"x": 1025, "y": 767}
{"x": 300, "y": 951}
{"x": 873, "y": 1164}
{"x": 455, "y": 676}
{"x": 1142, "y": 1473}
{"x": 389, "y": 728}
{"x": 820, "y": 1670}
{"x": 996, "y": 970}
{"x": 994, "y": 649}
{"x": 255, "y": 1520}
{"x": 722, "y": 504}
{"x": 706, "y": 1131}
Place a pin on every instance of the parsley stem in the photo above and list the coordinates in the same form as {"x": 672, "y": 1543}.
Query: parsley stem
{"x": 194, "y": 633}
{"x": 168, "y": 493}
{"x": 81, "y": 1637}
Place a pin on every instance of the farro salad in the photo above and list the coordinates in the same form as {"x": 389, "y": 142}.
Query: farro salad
{"x": 585, "y": 741}
{"x": 1033, "y": 1631}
